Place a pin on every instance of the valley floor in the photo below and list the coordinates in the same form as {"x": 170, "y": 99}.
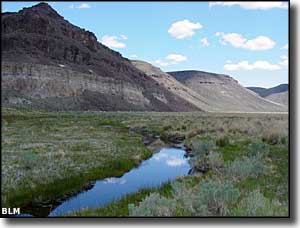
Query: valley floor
{"x": 243, "y": 159}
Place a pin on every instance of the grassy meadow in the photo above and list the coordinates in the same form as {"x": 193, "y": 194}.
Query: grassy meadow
{"x": 240, "y": 161}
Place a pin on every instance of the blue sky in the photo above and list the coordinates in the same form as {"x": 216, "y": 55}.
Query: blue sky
{"x": 245, "y": 40}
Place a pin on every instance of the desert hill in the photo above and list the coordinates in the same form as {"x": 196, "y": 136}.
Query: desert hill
{"x": 223, "y": 93}
{"x": 49, "y": 63}
{"x": 264, "y": 92}
{"x": 281, "y": 98}
{"x": 278, "y": 94}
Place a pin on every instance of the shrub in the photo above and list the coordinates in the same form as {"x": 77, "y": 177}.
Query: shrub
{"x": 153, "y": 205}
{"x": 216, "y": 196}
{"x": 192, "y": 133}
{"x": 215, "y": 161}
{"x": 167, "y": 127}
{"x": 184, "y": 199}
{"x": 240, "y": 169}
{"x": 222, "y": 141}
{"x": 29, "y": 160}
{"x": 200, "y": 151}
{"x": 183, "y": 127}
{"x": 283, "y": 140}
{"x": 255, "y": 204}
{"x": 271, "y": 136}
{"x": 201, "y": 148}
{"x": 258, "y": 148}
{"x": 174, "y": 137}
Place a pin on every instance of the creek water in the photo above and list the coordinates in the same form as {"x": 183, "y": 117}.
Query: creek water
{"x": 164, "y": 166}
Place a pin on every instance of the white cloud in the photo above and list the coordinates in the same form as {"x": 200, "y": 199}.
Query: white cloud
{"x": 283, "y": 57}
{"x": 124, "y": 37}
{"x": 285, "y": 61}
{"x": 170, "y": 59}
{"x": 110, "y": 180}
{"x": 123, "y": 181}
{"x": 176, "y": 58}
{"x": 113, "y": 41}
{"x": 114, "y": 180}
{"x": 260, "y": 43}
{"x": 80, "y": 6}
{"x": 253, "y": 5}
{"x": 84, "y": 6}
{"x": 258, "y": 65}
{"x": 204, "y": 42}
{"x": 285, "y": 46}
{"x": 161, "y": 63}
{"x": 175, "y": 162}
{"x": 239, "y": 41}
{"x": 160, "y": 156}
{"x": 183, "y": 29}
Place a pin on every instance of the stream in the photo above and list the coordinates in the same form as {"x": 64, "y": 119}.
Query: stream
{"x": 162, "y": 167}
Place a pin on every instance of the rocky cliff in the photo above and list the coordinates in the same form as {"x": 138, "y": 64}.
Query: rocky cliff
{"x": 49, "y": 63}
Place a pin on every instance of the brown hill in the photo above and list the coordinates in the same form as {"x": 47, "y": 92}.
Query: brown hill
{"x": 224, "y": 94}
{"x": 171, "y": 84}
{"x": 281, "y": 98}
{"x": 49, "y": 63}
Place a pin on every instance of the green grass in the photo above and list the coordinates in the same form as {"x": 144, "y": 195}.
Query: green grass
{"x": 47, "y": 156}
{"x": 50, "y": 155}
{"x": 272, "y": 184}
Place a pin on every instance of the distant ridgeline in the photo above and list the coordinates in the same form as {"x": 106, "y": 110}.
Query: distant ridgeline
{"x": 48, "y": 63}
{"x": 279, "y": 94}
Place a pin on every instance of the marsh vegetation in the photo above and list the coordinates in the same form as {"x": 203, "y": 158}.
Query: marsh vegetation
{"x": 240, "y": 161}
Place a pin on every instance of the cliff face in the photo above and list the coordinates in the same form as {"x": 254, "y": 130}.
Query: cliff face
{"x": 223, "y": 93}
{"x": 49, "y": 63}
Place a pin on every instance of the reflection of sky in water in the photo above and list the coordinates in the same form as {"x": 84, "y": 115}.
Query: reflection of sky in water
{"x": 160, "y": 168}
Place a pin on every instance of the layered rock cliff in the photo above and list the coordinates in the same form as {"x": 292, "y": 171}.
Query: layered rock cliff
{"x": 49, "y": 63}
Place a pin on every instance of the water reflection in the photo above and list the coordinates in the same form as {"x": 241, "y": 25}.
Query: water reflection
{"x": 164, "y": 166}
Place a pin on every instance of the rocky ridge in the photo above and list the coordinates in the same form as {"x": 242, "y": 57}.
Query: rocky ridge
{"x": 49, "y": 63}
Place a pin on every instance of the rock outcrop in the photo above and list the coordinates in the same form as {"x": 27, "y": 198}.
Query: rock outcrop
{"x": 49, "y": 63}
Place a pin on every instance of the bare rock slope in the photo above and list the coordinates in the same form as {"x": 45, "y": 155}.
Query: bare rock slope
{"x": 49, "y": 63}
{"x": 223, "y": 93}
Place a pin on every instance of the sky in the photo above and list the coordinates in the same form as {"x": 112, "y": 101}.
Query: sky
{"x": 246, "y": 40}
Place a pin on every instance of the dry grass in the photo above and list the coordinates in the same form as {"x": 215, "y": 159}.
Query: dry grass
{"x": 42, "y": 149}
